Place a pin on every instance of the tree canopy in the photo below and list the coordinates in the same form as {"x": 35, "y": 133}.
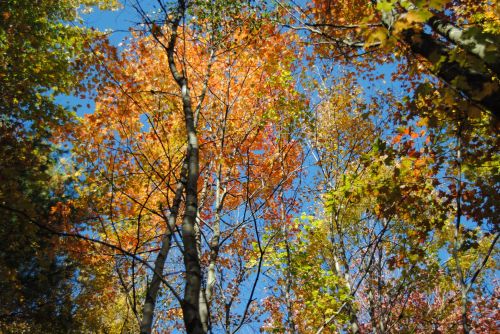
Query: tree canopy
{"x": 275, "y": 166}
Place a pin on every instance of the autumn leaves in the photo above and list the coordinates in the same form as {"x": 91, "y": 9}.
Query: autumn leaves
{"x": 250, "y": 165}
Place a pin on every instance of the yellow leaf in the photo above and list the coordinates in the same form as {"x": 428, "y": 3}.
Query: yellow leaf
{"x": 410, "y": 19}
{"x": 376, "y": 36}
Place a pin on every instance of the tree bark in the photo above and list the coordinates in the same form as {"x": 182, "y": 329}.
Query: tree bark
{"x": 204, "y": 307}
{"x": 477, "y": 84}
{"x": 465, "y": 326}
{"x": 473, "y": 40}
{"x": 483, "y": 45}
{"x": 190, "y": 304}
{"x": 351, "y": 312}
{"x": 153, "y": 287}
{"x": 220, "y": 195}
{"x": 192, "y": 288}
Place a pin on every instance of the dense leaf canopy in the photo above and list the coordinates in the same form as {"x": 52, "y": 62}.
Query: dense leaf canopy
{"x": 276, "y": 166}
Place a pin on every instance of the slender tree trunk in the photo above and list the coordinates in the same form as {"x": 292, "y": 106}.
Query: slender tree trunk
{"x": 191, "y": 258}
{"x": 288, "y": 274}
{"x": 353, "y": 318}
{"x": 220, "y": 195}
{"x": 456, "y": 236}
{"x": 343, "y": 270}
{"x": 371, "y": 311}
{"x": 380, "y": 293}
{"x": 206, "y": 294}
{"x": 204, "y": 307}
{"x": 214, "y": 253}
{"x": 214, "y": 250}
{"x": 153, "y": 287}
{"x": 456, "y": 245}
{"x": 288, "y": 292}
{"x": 465, "y": 325}
{"x": 190, "y": 304}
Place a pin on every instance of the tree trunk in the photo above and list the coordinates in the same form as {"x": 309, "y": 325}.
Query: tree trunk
{"x": 477, "y": 84}
{"x": 473, "y": 40}
{"x": 483, "y": 45}
{"x": 154, "y": 285}
{"x": 351, "y": 312}
{"x": 479, "y": 87}
{"x": 220, "y": 195}
{"x": 288, "y": 273}
{"x": 465, "y": 325}
{"x": 190, "y": 304}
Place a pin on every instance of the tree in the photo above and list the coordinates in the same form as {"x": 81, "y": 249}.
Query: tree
{"x": 137, "y": 159}
{"x": 40, "y": 54}
{"x": 458, "y": 40}
{"x": 361, "y": 261}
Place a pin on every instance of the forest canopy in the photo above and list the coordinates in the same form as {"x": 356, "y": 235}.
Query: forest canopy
{"x": 249, "y": 166}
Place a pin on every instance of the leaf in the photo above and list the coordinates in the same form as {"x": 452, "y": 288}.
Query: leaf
{"x": 385, "y": 5}
{"x": 378, "y": 35}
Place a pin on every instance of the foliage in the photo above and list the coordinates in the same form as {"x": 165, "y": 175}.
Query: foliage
{"x": 325, "y": 166}
{"x": 40, "y": 52}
